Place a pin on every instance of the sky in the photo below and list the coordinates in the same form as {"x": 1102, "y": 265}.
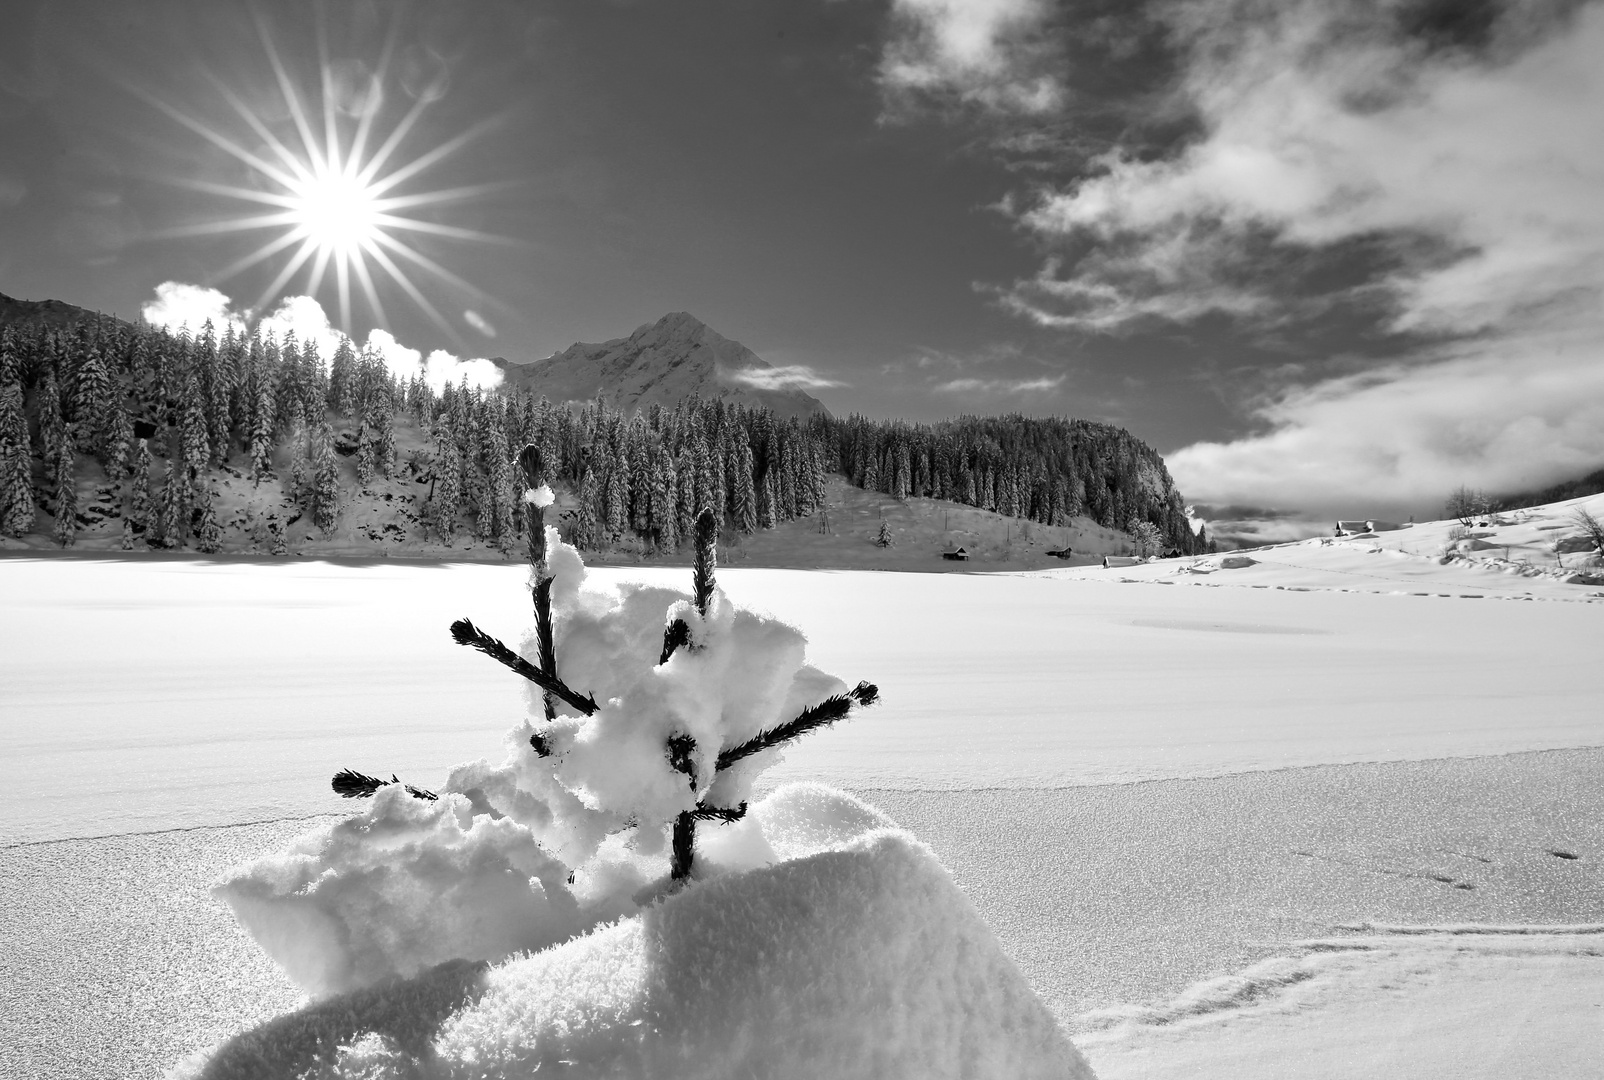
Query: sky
{"x": 1330, "y": 257}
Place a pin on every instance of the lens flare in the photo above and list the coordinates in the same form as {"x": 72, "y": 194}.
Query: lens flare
{"x": 334, "y": 203}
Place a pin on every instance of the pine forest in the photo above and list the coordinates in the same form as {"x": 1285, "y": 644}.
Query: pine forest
{"x": 170, "y": 420}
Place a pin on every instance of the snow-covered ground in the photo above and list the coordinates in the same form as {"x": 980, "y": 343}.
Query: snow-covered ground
{"x": 149, "y": 694}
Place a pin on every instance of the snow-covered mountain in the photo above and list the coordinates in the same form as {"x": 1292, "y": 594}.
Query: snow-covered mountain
{"x": 660, "y": 364}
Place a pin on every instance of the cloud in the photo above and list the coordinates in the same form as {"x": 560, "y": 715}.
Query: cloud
{"x": 1470, "y": 167}
{"x": 980, "y": 52}
{"x": 786, "y": 377}
{"x": 479, "y": 323}
{"x": 178, "y": 305}
{"x": 305, "y": 318}
{"x": 1000, "y": 386}
{"x": 441, "y": 367}
{"x": 1502, "y": 413}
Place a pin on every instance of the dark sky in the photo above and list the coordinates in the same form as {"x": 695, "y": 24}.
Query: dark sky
{"x": 1274, "y": 241}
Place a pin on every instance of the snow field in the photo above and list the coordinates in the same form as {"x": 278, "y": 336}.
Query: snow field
{"x": 151, "y": 694}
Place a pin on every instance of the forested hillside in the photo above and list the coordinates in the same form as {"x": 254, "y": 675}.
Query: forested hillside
{"x": 227, "y": 442}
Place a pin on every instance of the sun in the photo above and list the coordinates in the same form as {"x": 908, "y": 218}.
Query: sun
{"x": 335, "y": 201}
{"x": 337, "y": 212}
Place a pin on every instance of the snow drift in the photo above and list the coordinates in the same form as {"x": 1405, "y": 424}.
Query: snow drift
{"x": 825, "y": 942}
{"x": 522, "y": 919}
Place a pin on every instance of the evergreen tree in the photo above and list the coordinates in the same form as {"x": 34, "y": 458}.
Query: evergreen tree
{"x": 196, "y": 447}
{"x": 745, "y": 496}
{"x": 883, "y": 537}
{"x": 52, "y": 424}
{"x": 262, "y": 413}
{"x": 585, "y": 514}
{"x": 325, "y": 481}
{"x": 172, "y": 524}
{"x": 137, "y": 520}
{"x": 209, "y": 535}
{"x": 16, "y": 460}
{"x": 66, "y": 528}
{"x": 446, "y": 493}
{"x": 91, "y": 397}
{"x": 342, "y": 378}
{"x": 665, "y": 497}
{"x": 685, "y": 502}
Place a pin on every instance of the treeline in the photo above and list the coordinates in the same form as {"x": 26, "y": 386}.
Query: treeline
{"x": 1046, "y": 470}
{"x": 129, "y": 394}
{"x": 163, "y": 411}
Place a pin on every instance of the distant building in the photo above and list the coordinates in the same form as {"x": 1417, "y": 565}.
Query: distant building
{"x": 1062, "y": 553}
{"x": 956, "y": 553}
{"x": 1369, "y": 525}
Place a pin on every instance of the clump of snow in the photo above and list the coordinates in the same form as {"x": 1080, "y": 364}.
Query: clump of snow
{"x": 853, "y": 955}
{"x": 541, "y": 496}
{"x": 402, "y": 887}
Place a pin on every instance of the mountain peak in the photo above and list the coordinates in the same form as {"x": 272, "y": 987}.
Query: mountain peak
{"x": 661, "y": 363}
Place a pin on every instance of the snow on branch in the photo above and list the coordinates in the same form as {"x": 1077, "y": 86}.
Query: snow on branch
{"x": 350, "y": 784}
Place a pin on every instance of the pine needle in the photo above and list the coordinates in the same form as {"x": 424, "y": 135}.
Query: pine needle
{"x": 350, "y": 784}
{"x": 465, "y": 633}
{"x": 823, "y": 714}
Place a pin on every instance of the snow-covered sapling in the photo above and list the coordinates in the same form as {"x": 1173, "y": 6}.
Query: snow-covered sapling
{"x": 703, "y": 704}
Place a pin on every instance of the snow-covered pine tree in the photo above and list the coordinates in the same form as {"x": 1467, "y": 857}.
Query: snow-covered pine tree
{"x": 263, "y": 418}
{"x": 665, "y": 499}
{"x": 445, "y": 494}
{"x": 883, "y": 537}
{"x": 209, "y": 534}
{"x": 66, "y": 526}
{"x": 172, "y": 516}
{"x": 686, "y": 506}
{"x": 766, "y": 499}
{"x": 585, "y": 531}
{"x": 342, "y": 376}
{"x": 364, "y": 457}
{"x": 16, "y": 459}
{"x": 325, "y": 481}
{"x": 300, "y": 449}
{"x": 745, "y": 496}
{"x": 91, "y": 397}
{"x": 137, "y": 521}
{"x": 52, "y": 424}
{"x": 197, "y": 449}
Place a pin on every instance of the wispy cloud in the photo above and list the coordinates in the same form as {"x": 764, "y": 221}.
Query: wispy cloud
{"x": 1000, "y": 386}
{"x": 1470, "y": 168}
{"x": 978, "y": 52}
{"x": 788, "y": 377}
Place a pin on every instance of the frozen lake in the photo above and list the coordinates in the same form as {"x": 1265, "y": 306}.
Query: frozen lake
{"x": 150, "y": 694}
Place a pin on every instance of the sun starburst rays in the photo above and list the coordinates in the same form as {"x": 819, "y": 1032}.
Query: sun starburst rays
{"x": 335, "y": 205}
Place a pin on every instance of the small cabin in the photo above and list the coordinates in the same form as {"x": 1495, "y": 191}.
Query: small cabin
{"x": 1062, "y": 553}
{"x": 1352, "y": 528}
{"x": 956, "y": 553}
{"x": 1120, "y": 560}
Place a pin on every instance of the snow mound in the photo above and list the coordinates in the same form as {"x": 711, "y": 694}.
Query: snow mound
{"x": 855, "y": 956}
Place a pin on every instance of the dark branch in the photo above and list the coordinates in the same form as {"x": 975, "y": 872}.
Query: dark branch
{"x": 541, "y": 744}
{"x": 533, "y": 467}
{"x": 823, "y": 714}
{"x": 677, "y": 633}
{"x": 548, "y": 650}
{"x": 706, "y": 560}
{"x": 719, "y": 813}
{"x": 465, "y": 633}
{"x": 350, "y": 784}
